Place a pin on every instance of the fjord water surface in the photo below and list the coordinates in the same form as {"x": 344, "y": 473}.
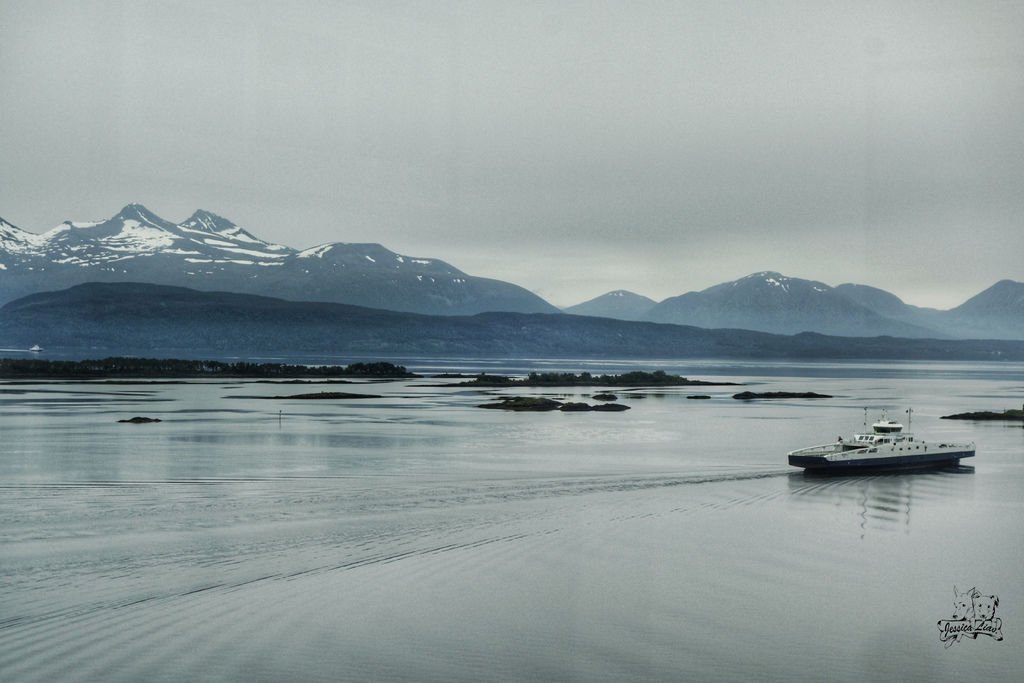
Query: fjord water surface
{"x": 418, "y": 537}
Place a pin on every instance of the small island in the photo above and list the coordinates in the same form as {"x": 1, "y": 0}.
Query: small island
{"x": 139, "y": 420}
{"x": 537, "y": 404}
{"x": 1011, "y": 415}
{"x": 749, "y": 395}
{"x": 322, "y": 395}
{"x": 658, "y": 378}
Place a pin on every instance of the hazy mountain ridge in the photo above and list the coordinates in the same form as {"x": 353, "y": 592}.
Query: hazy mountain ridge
{"x": 619, "y": 304}
{"x": 997, "y": 312}
{"x": 161, "y": 319}
{"x": 209, "y": 252}
{"x": 135, "y": 318}
{"x": 771, "y": 302}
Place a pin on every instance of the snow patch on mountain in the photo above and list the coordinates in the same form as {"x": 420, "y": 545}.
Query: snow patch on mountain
{"x": 135, "y": 236}
{"x": 315, "y": 252}
{"x": 17, "y": 241}
{"x": 250, "y": 252}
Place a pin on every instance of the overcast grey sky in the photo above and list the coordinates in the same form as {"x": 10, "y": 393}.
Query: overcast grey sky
{"x": 569, "y": 147}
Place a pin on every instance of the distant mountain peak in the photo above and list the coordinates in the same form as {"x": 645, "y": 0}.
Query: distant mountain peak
{"x": 620, "y": 304}
{"x": 772, "y": 277}
{"x": 766, "y": 275}
{"x": 207, "y": 221}
{"x": 204, "y": 215}
{"x": 772, "y": 281}
{"x": 1005, "y": 296}
{"x": 138, "y": 211}
{"x": 769, "y": 301}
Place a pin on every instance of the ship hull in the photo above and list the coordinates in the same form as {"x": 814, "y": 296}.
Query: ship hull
{"x": 819, "y": 464}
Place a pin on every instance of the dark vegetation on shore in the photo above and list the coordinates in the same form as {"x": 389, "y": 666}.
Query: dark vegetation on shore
{"x": 658, "y": 378}
{"x": 1011, "y": 415}
{"x": 34, "y": 368}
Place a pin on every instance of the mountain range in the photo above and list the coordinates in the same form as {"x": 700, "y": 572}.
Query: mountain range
{"x": 210, "y": 253}
{"x": 772, "y": 302}
{"x": 109, "y": 319}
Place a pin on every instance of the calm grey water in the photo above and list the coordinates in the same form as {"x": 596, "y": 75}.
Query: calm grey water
{"x": 417, "y": 537}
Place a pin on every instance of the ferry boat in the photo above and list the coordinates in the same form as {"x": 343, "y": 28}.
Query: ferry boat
{"x": 886, "y": 446}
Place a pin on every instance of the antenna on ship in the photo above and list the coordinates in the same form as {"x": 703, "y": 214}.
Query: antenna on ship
{"x": 910, "y": 418}
{"x": 865, "y": 419}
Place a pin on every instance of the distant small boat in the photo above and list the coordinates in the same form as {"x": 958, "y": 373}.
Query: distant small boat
{"x": 887, "y": 446}
{"x": 36, "y": 348}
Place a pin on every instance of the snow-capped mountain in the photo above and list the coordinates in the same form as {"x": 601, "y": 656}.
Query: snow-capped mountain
{"x": 772, "y": 302}
{"x": 209, "y": 252}
{"x": 136, "y": 232}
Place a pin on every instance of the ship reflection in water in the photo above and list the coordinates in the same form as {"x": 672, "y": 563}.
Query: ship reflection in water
{"x": 881, "y": 502}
